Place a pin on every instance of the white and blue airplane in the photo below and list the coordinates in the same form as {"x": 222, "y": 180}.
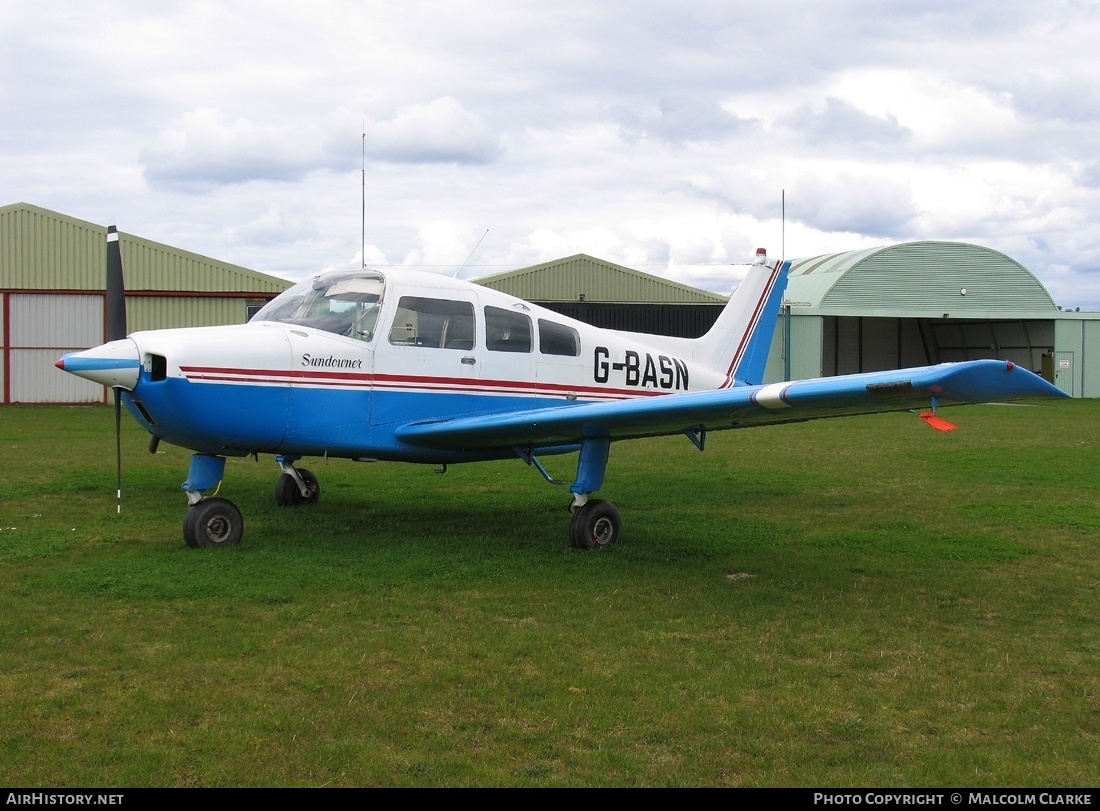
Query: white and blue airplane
{"x": 414, "y": 367}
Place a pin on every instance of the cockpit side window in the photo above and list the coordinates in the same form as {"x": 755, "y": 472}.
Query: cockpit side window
{"x": 431, "y": 322}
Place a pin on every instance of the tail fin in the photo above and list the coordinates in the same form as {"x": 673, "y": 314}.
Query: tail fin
{"x": 740, "y": 339}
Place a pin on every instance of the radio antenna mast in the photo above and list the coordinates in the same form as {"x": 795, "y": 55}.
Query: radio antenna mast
{"x": 364, "y": 213}
{"x": 471, "y": 255}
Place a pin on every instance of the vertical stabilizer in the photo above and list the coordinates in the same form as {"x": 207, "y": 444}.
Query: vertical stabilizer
{"x": 738, "y": 343}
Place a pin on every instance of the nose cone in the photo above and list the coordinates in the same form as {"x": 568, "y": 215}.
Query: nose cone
{"x": 115, "y": 364}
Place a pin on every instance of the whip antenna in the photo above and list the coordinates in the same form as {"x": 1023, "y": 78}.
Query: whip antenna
{"x": 364, "y": 213}
{"x": 470, "y": 256}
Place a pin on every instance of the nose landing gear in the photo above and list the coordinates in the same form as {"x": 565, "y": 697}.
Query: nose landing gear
{"x": 213, "y": 522}
{"x": 210, "y": 521}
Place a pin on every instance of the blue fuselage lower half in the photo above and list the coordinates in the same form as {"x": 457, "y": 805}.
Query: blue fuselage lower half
{"x": 227, "y": 419}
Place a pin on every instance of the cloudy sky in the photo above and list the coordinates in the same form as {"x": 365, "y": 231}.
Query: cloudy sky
{"x": 658, "y": 135}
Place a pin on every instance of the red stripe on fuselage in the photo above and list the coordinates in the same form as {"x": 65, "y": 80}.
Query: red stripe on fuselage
{"x": 297, "y": 377}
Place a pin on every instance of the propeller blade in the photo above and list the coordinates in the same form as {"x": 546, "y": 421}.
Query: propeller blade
{"x": 116, "y": 331}
{"x": 116, "y": 288}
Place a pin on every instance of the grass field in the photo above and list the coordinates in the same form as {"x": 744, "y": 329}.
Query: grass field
{"x": 858, "y": 602}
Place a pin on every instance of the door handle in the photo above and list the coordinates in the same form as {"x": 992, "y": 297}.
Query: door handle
{"x": 469, "y": 361}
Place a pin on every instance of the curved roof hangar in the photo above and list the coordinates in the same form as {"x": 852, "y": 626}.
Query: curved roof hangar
{"x": 918, "y": 279}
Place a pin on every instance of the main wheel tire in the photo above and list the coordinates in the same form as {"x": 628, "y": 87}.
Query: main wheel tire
{"x": 213, "y": 522}
{"x": 287, "y": 493}
{"x": 595, "y": 524}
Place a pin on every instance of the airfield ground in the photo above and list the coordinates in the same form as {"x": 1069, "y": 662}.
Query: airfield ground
{"x": 859, "y": 602}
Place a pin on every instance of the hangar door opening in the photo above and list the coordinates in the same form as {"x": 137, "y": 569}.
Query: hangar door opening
{"x": 853, "y": 344}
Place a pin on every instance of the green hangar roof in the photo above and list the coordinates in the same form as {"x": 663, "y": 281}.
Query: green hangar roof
{"x": 45, "y": 250}
{"x": 567, "y": 280}
{"x": 918, "y": 279}
{"x": 52, "y": 274}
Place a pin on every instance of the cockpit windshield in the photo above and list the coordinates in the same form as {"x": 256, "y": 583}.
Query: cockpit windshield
{"x": 344, "y": 303}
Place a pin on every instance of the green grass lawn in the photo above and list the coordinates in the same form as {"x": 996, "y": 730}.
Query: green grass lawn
{"x": 857, "y": 602}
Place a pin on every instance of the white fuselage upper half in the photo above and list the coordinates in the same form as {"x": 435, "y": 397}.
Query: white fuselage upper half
{"x": 331, "y": 362}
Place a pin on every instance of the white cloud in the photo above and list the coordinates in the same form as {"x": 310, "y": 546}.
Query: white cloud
{"x": 273, "y": 227}
{"x": 839, "y": 123}
{"x": 205, "y": 149}
{"x": 941, "y": 113}
{"x": 442, "y": 246}
{"x": 857, "y": 204}
{"x": 439, "y": 132}
{"x": 656, "y": 135}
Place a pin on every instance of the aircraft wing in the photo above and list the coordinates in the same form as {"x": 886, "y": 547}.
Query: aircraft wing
{"x": 868, "y": 393}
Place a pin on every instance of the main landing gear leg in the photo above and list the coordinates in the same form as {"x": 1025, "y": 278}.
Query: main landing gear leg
{"x": 210, "y": 521}
{"x": 595, "y": 522}
{"x": 295, "y": 487}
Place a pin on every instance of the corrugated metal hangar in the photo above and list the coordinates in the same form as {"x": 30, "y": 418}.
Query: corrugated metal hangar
{"x": 921, "y": 303}
{"x": 901, "y": 305}
{"x": 612, "y": 296}
{"x": 911, "y": 304}
{"x": 51, "y": 285}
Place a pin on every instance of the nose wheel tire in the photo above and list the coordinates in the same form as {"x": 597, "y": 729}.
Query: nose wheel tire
{"x": 596, "y": 524}
{"x": 287, "y": 493}
{"x": 213, "y": 522}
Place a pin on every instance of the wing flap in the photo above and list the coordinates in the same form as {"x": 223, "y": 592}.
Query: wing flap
{"x": 900, "y": 390}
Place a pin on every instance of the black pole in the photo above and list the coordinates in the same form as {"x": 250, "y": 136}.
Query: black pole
{"x": 118, "y": 451}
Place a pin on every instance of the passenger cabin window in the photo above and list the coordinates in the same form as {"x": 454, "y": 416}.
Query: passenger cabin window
{"x": 507, "y": 331}
{"x": 432, "y": 322}
{"x": 558, "y": 339}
